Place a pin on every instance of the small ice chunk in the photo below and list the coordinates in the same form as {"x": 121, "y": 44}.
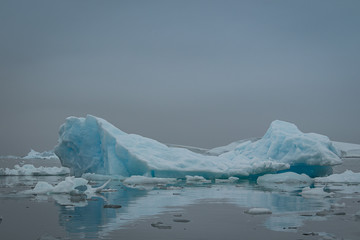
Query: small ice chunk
{"x": 315, "y": 192}
{"x": 258, "y": 211}
{"x": 346, "y": 177}
{"x": 70, "y": 184}
{"x": 286, "y": 178}
{"x": 229, "y": 180}
{"x": 30, "y": 170}
{"x": 338, "y": 205}
{"x": 196, "y": 179}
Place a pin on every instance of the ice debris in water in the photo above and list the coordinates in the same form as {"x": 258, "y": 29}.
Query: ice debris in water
{"x": 92, "y": 145}
{"x": 286, "y": 178}
{"x": 196, "y": 179}
{"x": 41, "y": 155}
{"x": 315, "y": 192}
{"x": 229, "y": 180}
{"x": 69, "y": 185}
{"x": 30, "y": 170}
{"x": 346, "y": 177}
{"x": 257, "y": 211}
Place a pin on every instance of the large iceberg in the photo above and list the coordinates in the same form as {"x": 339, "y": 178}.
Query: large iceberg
{"x": 92, "y": 145}
{"x": 285, "y": 143}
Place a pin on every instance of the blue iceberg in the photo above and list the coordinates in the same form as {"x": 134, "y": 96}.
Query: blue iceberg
{"x": 93, "y": 145}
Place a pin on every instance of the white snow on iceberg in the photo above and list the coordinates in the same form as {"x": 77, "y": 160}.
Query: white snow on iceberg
{"x": 30, "y": 170}
{"x": 92, "y": 145}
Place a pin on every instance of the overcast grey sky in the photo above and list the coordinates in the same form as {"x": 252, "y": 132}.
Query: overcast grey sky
{"x": 201, "y": 73}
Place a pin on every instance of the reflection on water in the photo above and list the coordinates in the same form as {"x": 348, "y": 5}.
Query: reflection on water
{"x": 93, "y": 220}
{"x": 87, "y": 218}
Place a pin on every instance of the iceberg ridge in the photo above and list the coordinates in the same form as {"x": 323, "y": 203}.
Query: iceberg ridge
{"x": 92, "y": 145}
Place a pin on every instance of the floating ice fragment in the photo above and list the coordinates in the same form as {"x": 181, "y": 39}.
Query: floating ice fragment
{"x": 315, "y": 192}
{"x": 229, "y": 180}
{"x": 196, "y": 179}
{"x": 258, "y": 211}
{"x": 346, "y": 177}
{"x": 69, "y": 185}
{"x": 286, "y": 178}
{"x": 30, "y": 170}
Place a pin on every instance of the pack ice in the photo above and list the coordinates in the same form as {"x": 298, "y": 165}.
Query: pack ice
{"x": 92, "y": 145}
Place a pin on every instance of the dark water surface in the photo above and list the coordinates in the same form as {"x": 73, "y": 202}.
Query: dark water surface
{"x": 181, "y": 211}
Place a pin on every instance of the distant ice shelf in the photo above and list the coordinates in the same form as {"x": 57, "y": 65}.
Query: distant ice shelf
{"x": 31, "y": 170}
{"x": 93, "y": 145}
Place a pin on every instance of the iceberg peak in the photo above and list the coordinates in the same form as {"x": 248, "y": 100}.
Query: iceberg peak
{"x": 93, "y": 145}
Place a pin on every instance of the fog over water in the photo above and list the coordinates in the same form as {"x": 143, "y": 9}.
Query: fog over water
{"x": 200, "y": 73}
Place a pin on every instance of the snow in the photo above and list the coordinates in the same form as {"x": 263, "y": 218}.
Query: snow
{"x": 67, "y": 186}
{"x": 92, "y": 145}
{"x": 257, "y": 211}
{"x": 287, "y": 178}
{"x": 346, "y": 177}
{"x": 30, "y": 170}
{"x": 348, "y": 149}
{"x": 315, "y": 192}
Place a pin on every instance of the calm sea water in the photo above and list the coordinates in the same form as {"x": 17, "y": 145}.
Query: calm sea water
{"x": 67, "y": 216}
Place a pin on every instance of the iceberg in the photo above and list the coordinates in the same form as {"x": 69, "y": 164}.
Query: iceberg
{"x": 93, "y": 145}
{"x": 41, "y": 155}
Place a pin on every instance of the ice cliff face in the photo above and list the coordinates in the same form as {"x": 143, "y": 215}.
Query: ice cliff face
{"x": 93, "y": 145}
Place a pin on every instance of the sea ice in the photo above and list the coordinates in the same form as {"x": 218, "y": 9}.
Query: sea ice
{"x": 257, "y": 211}
{"x": 70, "y": 184}
{"x": 346, "y": 177}
{"x": 92, "y": 145}
{"x": 348, "y": 149}
{"x": 30, "y": 170}
{"x": 287, "y": 178}
{"x": 315, "y": 192}
{"x": 196, "y": 179}
{"x": 43, "y": 155}
{"x": 229, "y": 180}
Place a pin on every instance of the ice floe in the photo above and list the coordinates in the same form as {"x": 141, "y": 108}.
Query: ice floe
{"x": 69, "y": 185}
{"x": 346, "y": 177}
{"x": 258, "y": 211}
{"x": 315, "y": 192}
{"x": 31, "y": 170}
